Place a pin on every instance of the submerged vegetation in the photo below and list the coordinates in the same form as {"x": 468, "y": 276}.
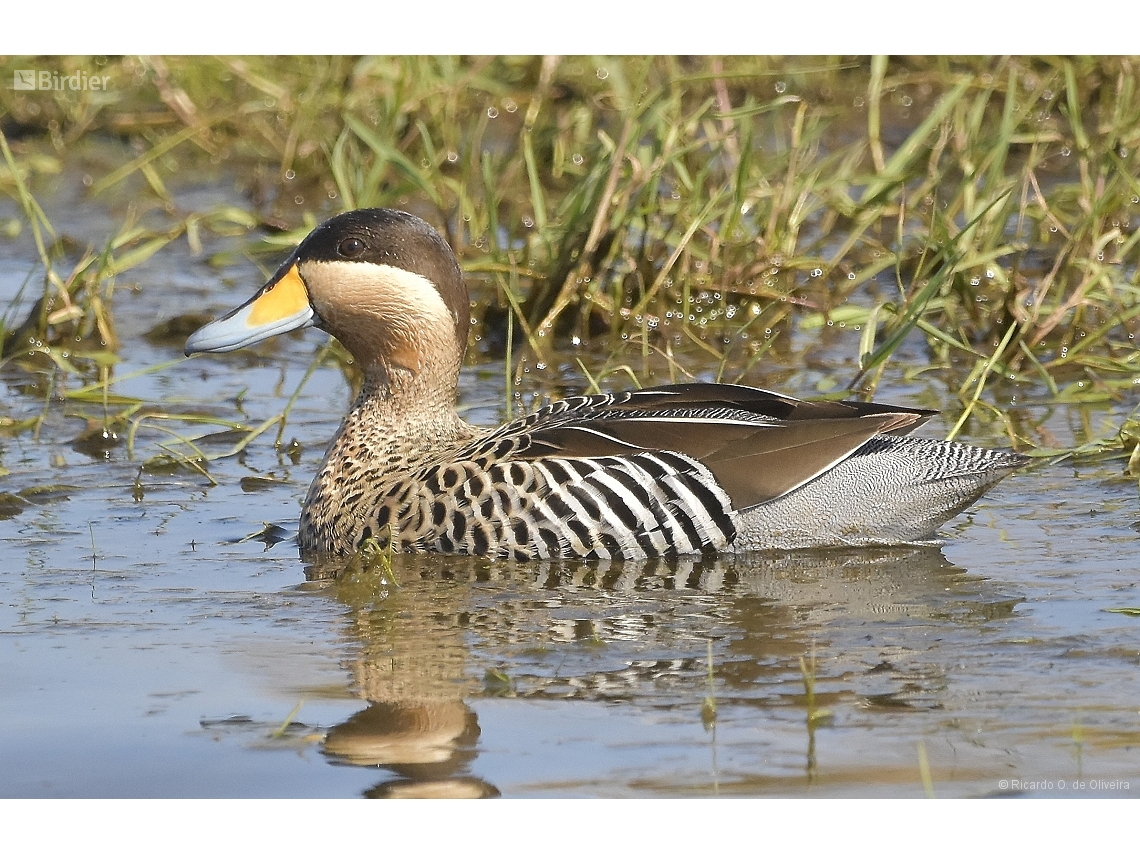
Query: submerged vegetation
{"x": 987, "y": 209}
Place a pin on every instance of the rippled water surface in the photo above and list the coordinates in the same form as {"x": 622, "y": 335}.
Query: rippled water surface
{"x": 153, "y": 644}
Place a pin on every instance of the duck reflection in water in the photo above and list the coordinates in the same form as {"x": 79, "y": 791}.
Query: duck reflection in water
{"x": 429, "y": 745}
{"x": 429, "y": 629}
{"x": 410, "y": 666}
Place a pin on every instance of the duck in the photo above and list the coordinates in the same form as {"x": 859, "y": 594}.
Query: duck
{"x": 671, "y": 470}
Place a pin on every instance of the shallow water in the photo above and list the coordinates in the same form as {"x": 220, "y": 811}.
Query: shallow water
{"x": 151, "y": 645}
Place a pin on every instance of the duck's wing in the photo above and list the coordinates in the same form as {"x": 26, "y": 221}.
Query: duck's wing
{"x": 758, "y": 445}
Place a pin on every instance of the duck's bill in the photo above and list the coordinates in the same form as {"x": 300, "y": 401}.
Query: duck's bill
{"x": 281, "y": 306}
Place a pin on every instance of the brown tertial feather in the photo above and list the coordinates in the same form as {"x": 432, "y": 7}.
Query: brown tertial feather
{"x": 759, "y": 445}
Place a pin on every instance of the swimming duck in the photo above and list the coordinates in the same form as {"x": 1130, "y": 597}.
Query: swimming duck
{"x": 670, "y": 470}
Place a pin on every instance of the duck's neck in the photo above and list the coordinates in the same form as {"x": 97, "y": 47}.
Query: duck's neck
{"x": 400, "y": 416}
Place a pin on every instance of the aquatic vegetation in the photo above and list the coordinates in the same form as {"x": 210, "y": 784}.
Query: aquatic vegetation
{"x": 654, "y": 207}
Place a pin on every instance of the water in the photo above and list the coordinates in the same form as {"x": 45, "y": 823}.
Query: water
{"x": 152, "y": 645}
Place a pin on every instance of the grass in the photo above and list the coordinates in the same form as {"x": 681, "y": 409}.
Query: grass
{"x": 374, "y": 556}
{"x": 649, "y": 207}
{"x": 816, "y": 715}
{"x": 924, "y": 770}
{"x": 709, "y": 712}
{"x": 708, "y": 704}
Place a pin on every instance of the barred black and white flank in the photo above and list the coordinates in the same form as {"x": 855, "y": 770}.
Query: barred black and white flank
{"x": 672, "y": 470}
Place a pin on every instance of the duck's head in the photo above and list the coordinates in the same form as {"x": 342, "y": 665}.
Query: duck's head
{"x": 383, "y": 282}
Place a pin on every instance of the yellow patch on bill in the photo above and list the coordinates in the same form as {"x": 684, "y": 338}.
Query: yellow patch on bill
{"x": 285, "y": 298}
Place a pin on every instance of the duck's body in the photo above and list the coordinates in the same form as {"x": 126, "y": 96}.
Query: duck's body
{"x": 663, "y": 471}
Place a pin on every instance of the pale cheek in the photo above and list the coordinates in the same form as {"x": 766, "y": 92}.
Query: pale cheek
{"x": 382, "y": 312}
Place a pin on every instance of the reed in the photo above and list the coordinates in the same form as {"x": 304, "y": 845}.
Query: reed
{"x": 985, "y": 207}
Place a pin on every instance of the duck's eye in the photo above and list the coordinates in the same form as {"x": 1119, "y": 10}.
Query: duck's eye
{"x": 351, "y": 247}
